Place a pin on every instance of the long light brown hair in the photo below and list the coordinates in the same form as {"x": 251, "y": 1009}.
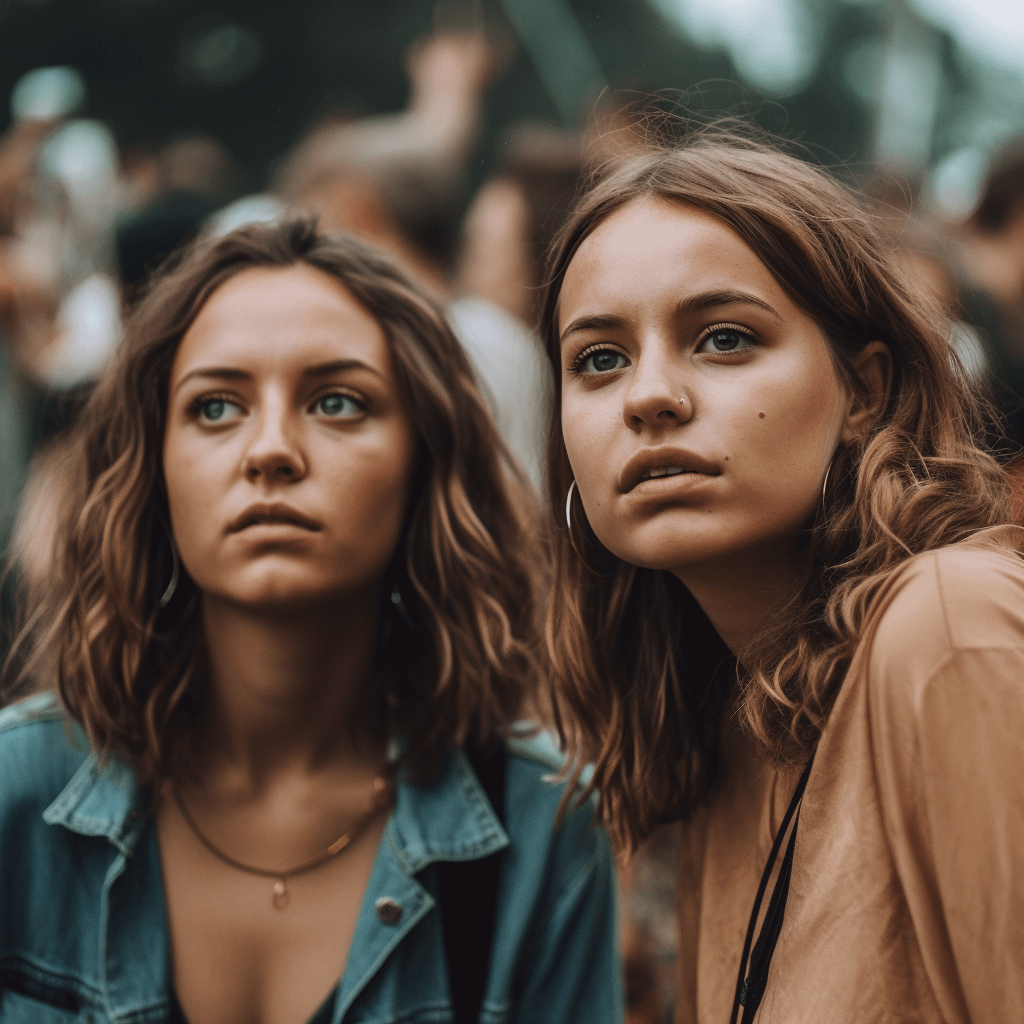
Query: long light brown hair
{"x": 457, "y": 663}
{"x": 641, "y": 678}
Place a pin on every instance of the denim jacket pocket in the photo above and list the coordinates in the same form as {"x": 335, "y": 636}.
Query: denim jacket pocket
{"x": 27, "y": 999}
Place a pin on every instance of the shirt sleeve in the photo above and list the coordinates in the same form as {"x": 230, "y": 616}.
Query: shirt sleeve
{"x": 573, "y": 970}
{"x": 947, "y": 726}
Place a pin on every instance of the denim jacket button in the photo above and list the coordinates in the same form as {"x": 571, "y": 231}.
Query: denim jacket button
{"x": 388, "y": 910}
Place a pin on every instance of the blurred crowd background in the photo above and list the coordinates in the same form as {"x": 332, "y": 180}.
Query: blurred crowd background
{"x": 456, "y": 135}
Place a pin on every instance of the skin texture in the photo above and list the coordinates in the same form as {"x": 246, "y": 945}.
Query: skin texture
{"x": 663, "y": 302}
{"x": 279, "y": 425}
{"x": 282, "y": 396}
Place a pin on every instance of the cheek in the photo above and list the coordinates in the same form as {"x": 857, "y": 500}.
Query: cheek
{"x": 587, "y": 425}
{"x": 370, "y": 495}
{"x": 191, "y": 503}
{"x": 791, "y": 427}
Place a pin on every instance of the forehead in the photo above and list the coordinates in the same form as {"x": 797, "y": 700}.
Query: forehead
{"x": 273, "y": 318}
{"x": 651, "y": 247}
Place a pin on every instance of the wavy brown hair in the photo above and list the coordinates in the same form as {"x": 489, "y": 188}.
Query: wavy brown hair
{"x": 641, "y": 677}
{"x": 456, "y": 664}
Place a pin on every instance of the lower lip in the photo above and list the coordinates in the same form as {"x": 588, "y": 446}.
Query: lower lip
{"x": 276, "y": 527}
{"x": 678, "y": 483}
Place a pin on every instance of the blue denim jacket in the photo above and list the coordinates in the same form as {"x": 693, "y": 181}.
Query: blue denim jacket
{"x": 83, "y": 930}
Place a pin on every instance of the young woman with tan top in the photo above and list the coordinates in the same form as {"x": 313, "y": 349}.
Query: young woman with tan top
{"x": 788, "y": 609}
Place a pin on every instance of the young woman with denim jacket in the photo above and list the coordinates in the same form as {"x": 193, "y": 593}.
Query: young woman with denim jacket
{"x": 290, "y": 584}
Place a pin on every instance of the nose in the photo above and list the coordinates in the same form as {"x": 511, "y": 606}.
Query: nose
{"x": 275, "y": 452}
{"x": 656, "y": 397}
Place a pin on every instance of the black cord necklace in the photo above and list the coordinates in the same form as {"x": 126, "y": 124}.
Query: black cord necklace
{"x": 750, "y": 989}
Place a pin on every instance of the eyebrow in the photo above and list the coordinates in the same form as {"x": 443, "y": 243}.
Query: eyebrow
{"x": 707, "y": 300}
{"x": 691, "y": 304}
{"x": 312, "y": 372}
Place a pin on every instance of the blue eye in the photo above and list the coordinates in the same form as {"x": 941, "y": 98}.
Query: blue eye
{"x": 726, "y": 339}
{"x": 218, "y": 410}
{"x": 338, "y": 406}
{"x": 602, "y": 361}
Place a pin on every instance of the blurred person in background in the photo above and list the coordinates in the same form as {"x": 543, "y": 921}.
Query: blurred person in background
{"x": 788, "y": 604}
{"x": 36, "y": 248}
{"x": 288, "y": 622}
{"x": 61, "y": 299}
{"x": 397, "y": 181}
{"x": 508, "y": 227}
{"x": 988, "y": 258}
{"x": 173, "y": 192}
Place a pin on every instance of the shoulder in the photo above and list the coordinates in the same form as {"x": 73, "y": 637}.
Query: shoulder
{"x": 534, "y": 791}
{"x": 497, "y": 341}
{"x": 962, "y": 597}
{"x": 947, "y": 644}
{"x": 39, "y": 752}
{"x": 535, "y": 746}
{"x": 534, "y": 765}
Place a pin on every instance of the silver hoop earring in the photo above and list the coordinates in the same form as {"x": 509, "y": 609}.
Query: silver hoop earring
{"x": 165, "y": 600}
{"x": 568, "y": 523}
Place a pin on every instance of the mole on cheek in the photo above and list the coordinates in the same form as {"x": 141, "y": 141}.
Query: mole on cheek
{"x": 761, "y": 414}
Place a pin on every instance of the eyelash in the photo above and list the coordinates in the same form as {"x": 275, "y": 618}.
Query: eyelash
{"x": 195, "y": 407}
{"x": 576, "y": 367}
{"x": 725, "y": 326}
{"x": 359, "y": 401}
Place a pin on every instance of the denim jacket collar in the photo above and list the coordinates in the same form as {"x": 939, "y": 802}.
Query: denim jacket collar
{"x": 100, "y": 801}
{"x": 448, "y": 819}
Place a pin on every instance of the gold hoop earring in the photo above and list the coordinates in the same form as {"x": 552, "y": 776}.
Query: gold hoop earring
{"x": 824, "y": 482}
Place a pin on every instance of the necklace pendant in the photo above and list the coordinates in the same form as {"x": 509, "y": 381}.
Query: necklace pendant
{"x": 280, "y": 899}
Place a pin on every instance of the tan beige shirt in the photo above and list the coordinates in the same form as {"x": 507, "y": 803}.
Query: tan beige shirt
{"x": 907, "y": 894}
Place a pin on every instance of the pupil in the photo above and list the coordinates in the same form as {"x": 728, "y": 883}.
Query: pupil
{"x": 604, "y": 361}
{"x": 333, "y": 403}
{"x": 726, "y": 341}
{"x": 214, "y": 410}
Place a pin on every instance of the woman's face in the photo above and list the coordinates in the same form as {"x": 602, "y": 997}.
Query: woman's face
{"x": 663, "y": 302}
{"x": 288, "y": 451}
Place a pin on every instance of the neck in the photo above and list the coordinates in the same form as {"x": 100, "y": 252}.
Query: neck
{"x": 744, "y": 593}
{"x": 289, "y": 692}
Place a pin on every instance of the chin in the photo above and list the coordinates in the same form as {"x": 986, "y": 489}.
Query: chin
{"x": 674, "y": 560}
{"x": 283, "y": 593}
{"x": 665, "y": 543}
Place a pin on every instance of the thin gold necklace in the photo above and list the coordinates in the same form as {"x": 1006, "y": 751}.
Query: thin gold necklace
{"x": 382, "y": 793}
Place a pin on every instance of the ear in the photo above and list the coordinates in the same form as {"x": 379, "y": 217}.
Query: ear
{"x": 873, "y": 378}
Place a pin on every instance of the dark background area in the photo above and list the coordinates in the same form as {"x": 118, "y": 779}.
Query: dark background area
{"x": 255, "y": 74}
